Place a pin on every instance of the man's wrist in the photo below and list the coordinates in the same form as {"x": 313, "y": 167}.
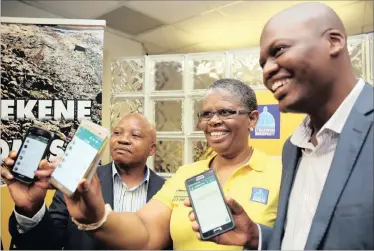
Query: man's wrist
{"x": 25, "y": 224}
{"x": 29, "y": 211}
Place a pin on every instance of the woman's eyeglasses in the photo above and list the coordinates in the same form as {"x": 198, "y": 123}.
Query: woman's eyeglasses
{"x": 221, "y": 113}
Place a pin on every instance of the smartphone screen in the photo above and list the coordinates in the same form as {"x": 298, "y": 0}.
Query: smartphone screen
{"x": 209, "y": 205}
{"x": 79, "y": 155}
{"x": 30, "y": 154}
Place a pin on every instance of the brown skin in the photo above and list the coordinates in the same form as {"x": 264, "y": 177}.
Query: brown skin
{"x": 133, "y": 141}
{"x": 133, "y": 132}
{"x": 307, "y": 43}
{"x": 28, "y": 199}
{"x": 244, "y": 234}
{"x": 149, "y": 228}
{"x": 232, "y": 152}
{"x": 233, "y": 147}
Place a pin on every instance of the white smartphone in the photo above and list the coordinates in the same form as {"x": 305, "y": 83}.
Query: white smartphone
{"x": 81, "y": 157}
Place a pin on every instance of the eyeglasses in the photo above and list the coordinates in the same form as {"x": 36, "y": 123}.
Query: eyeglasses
{"x": 221, "y": 113}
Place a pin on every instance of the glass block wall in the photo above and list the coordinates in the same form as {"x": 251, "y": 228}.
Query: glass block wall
{"x": 168, "y": 89}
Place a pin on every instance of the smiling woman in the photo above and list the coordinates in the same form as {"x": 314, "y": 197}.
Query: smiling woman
{"x": 229, "y": 113}
{"x": 247, "y": 175}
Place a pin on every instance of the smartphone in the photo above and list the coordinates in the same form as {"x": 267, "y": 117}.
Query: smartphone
{"x": 34, "y": 148}
{"x": 207, "y": 199}
{"x": 81, "y": 157}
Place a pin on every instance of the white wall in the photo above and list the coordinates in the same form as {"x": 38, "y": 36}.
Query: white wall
{"x": 115, "y": 45}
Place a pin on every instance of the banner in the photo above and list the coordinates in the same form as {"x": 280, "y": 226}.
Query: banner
{"x": 50, "y": 77}
{"x": 268, "y": 124}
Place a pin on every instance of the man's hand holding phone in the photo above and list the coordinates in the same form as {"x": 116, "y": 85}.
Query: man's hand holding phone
{"x": 244, "y": 234}
{"x": 27, "y": 198}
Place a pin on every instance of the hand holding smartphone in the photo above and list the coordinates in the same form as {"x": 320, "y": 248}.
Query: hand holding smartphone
{"x": 81, "y": 157}
{"x": 28, "y": 194}
{"x": 207, "y": 200}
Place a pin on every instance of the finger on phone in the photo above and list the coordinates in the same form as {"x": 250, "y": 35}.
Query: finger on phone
{"x": 56, "y": 160}
{"x": 9, "y": 162}
{"x": 191, "y": 215}
{"x": 43, "y": 174}
{"x": 198, "y": 236}
{"x": 83, "y": 186}
{"x": 5, "y": 173}
{"x": 44, "y": 165}
{"x": 12, "y": 154}
{"x": 195, "y": 226}
{"x": 187, "y": 202}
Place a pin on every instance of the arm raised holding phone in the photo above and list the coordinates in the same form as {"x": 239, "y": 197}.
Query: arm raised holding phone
{"x": 88, "y": 207}
{"x": 248, "y": 175}
{"x": 147, "y": 228}
{"x": 28, "y": 199}
{"x": 31, "y": 222}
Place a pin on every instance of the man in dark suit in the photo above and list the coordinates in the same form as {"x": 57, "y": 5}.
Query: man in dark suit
{"x": 127, "y": 184}
{"x": 326, "y": 194}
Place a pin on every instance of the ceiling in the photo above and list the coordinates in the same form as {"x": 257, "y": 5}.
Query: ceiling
{"x": 197, "y": 26}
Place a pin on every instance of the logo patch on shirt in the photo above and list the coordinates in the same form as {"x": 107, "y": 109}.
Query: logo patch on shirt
{"x": 260, "y": 195}
{"x": 180, "y": 195}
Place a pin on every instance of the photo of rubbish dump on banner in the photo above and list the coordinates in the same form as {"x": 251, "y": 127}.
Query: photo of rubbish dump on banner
{"x": 51, "y": 78}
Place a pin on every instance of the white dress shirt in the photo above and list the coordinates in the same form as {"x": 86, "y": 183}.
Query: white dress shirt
{"x": 312, "y": 172}
{"x": 125, "y": 200}
{"x": 129, "y": 200}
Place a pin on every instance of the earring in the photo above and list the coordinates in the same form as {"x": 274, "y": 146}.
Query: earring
{"x": 251, "y": 129}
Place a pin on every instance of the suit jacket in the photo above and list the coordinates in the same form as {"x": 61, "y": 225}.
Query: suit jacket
{"x": 344, "y": 216}
{"x": 57, "y": 231}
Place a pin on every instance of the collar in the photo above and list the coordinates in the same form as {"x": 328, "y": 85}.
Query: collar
{"x": 256, "y": 162}
{"x": 302, "y": 134}
{"x": 145, "y": 178}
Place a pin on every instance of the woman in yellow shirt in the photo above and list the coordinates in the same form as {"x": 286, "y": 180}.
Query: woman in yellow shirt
{"x": 247, "y": 175}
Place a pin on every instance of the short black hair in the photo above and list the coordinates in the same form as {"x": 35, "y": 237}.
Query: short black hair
{"x": 238, "y": 89}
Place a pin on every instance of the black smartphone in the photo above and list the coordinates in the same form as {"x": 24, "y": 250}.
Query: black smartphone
{"x": 207, "y": 199}
{"x": 33, "y": 149}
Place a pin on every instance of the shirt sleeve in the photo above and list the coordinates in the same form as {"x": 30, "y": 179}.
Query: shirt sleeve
{"x": 167, "y": 192}
{"x": 259, "y": 238}
{"x": 25, "y": 223}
